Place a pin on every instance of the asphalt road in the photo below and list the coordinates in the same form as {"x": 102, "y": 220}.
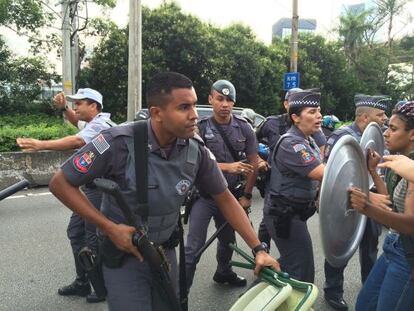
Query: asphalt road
{"x": 36, "y": 259}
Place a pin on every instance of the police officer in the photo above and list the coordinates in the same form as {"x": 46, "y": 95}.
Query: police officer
{"x": 269, "y": 132}
{"x": 177, "y": 159}
{"x": 88, "y": 108}
{"x": 242, "y": 140}
{"x": 275, "y": 126}
{"x": 368, "y": 109}
{"x": 296, "y": 170}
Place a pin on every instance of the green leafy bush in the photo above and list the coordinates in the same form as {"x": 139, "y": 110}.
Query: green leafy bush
{"x": 27, "y": 119}
{"x": 41, "y": 127}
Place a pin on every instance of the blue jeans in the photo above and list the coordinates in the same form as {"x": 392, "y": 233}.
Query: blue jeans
{"x": 390, "y": 285}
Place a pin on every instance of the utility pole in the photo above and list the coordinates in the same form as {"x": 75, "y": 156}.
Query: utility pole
{"x": 294, "y": 39}
{"x": 66, "y": 53}
{"x": 75, "y": 48}
{"x": 134, "y": 59}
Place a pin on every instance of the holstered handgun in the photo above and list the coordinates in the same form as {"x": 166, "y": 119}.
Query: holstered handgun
{"x": 283, "y": 209}
{"x": 91, "y": 264}
{"x": 192, "y": 196}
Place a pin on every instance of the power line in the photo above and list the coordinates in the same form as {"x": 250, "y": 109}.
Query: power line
{"x": 50, "y": 8}
{"x": 25, "y": 34}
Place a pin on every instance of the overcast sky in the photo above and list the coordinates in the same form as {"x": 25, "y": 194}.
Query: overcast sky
{"x": 260, "y": 15}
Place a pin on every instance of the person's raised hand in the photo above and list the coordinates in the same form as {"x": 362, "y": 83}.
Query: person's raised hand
{"x": 400, "y": 164}
{"x": 373, "y": 159}
{"x": 59, "y": 100}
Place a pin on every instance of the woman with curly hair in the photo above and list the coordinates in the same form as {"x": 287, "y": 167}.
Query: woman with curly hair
{"x": 390, "y": 284}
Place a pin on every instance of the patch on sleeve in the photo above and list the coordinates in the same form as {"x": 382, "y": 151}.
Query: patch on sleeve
{"x": 306, "y": 156}
{"x": 100, "y": 143}
{"x": 83, "y": 162}
{"x": 96, "y": 128}
{"x": 298, "y": 147}
{"x": 330, "y": 141}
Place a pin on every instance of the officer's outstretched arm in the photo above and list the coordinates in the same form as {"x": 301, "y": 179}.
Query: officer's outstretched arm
{"x": 65, "y": 143}
{"x": 238, "y": 219}
{"x": 317, "y": 172}
{"x": 75, "y": 200}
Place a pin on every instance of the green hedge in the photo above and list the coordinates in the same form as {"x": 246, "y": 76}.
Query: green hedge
{"x": 41, "y": 127}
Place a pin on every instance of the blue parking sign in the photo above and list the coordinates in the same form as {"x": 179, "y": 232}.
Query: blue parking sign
{"x": 291, "y": 80}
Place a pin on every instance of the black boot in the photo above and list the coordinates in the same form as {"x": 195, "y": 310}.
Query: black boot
{"x": 94, "y": 298}
{"x": 80, "y": 286}
{"x": 77, "y": 288}
{"x": 231, "y": 278}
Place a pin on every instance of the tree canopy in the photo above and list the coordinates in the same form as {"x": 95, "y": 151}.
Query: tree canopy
{"x": 177, "y": 41}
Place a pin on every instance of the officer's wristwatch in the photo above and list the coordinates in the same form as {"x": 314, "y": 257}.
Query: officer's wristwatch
{"x": 261, "y": 247}
{"x": 247, "y": 195}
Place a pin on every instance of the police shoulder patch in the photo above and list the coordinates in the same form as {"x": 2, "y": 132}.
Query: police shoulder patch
{"x": 100, "y": 143}
{"x": 298, "y": 147}
{"x": 330, "y": 141}
{"x": 83, "y": 162}
{"x": 96, "y": 128}
{"x": 306, "y": 156}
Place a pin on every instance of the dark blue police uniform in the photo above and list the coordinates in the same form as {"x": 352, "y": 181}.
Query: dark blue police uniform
{"x": 270, "y": 132}
{"x": 243, "y": 141}
{"x": 276, "y": 126}
{"x": 172, "y": 170}
{"x": 289, "y": 202}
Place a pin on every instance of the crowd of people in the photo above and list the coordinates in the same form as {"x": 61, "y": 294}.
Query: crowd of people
{"x": 218, "y": 159}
